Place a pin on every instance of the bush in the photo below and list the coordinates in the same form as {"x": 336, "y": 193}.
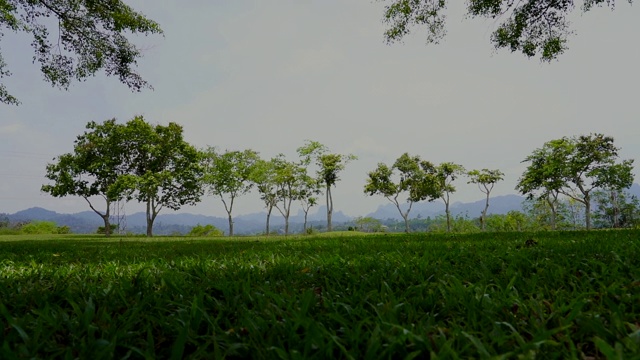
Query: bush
{"x": 102, "y": 230}
{"x": 41, "y": 227}
{"x": 63, "y": 230}
{"x": 207, "y": 230}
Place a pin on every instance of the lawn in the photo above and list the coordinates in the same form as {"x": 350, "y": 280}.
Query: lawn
{"x": 554, "y": 295}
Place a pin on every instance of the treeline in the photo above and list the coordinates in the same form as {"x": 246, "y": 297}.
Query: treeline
{"x": 154, "y": 165}
{"x": 535, "y": 216}
{"x": 8, "y": 227}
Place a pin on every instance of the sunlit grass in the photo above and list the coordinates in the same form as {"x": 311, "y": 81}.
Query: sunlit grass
{"x": 543, "y": 295}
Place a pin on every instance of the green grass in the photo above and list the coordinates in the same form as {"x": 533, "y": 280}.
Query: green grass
{"x": 508, "y": 295}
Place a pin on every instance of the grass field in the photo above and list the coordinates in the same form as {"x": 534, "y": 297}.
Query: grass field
{"x": 509, "y": 295}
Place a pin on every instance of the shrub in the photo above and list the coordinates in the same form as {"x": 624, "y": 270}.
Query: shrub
{"x": 39, "y": 227}
{"x": 207, "y": 230}
{"x": 101, "y": 229}
{"x": 63, "y": 230}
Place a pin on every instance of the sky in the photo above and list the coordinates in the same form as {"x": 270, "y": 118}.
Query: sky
{"x": 268, "y": 75}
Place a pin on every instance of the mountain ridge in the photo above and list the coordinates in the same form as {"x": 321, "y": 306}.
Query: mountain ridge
{"x": 254, "y": 223}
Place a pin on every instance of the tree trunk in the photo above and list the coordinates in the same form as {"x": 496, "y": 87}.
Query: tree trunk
{"x": 107, "y": 224}
{"x": 151, "y": 216}
{"x": 448, "y": 214}
{"x": 587, "y": 210}
{"x": 329, "y": 208}
{"x": 406, "y": 223}
{"x": 553, "y": 212}
{"x": 268, "y": 218}
{"x": 304, "y": 227}
{"x": 105, "y": 216}
{"x": 230, "y": 225}
{"x": 229, "y": 210}
{"x": 286, "y": 225}
{"x": 483, "y": 218}
{"x": 445, "y": 198}
{"x": 616, "y": 209}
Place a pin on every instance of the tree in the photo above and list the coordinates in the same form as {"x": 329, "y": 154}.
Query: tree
{"x": 83, "y": 38}
{"x": 577, "y": 166}
{"x": 164, "y": 170}
{"x": 288, "y": 179}
{"x": 415, "y": 178}
{"x": 329, "y": 166}
{"x": 92, "y": 169}
{"x": 264, "y": 177}
{"x": 446, "y": 174}
{"x": 485, "y": 179}
{"x": 308, "y": 190}
{"x": 544, "y": 175}
{"x": 616, "y": 209}
{"x": 532, "y": 27}
{"x": 543, "y": 217}
{"x": 368, "y": 224}
{"x": 228, "y": 174}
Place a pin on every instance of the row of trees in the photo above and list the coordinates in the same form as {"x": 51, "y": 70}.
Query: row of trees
{"x": 411, "y": 179}
{"x": 571, "y": 167}
{"x": 534, "y": 216}
{"x": 154, "y": 165}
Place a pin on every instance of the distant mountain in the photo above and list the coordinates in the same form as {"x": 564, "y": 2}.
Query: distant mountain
{"x": 181, "y": 223}
{"x": 497, "y": 205}
{"x": 87, "y": 222}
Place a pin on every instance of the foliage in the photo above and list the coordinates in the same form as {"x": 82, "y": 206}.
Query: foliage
{"x": 532, "y": 27}
{"x": 290, "y": 180}
{"x": 368, "y": 224}
{"x": 163, "y": 170}
{"x": 264, "y": 177}
{"x": 102, "y": 230}
{"x": 76, "y": 39}
{"x": 206, "y": 230}
{"x": 329, "y": 167}
{"x": 415, "y": 179}
{"x": 459, "y": 224}
{"x": 446, "y": 174}
{"x": 363, "y": 297}
{"x": 616, "y": 209}
{"x": 227, "y": 175}
{"x": 136, "y": 160}
{"x": 43, "y": 227}
{"x": 93, "y": 169}
{"x": 308, "y": 190}
{"x": 486, "y": 180}
{"x": 575, "y": 167}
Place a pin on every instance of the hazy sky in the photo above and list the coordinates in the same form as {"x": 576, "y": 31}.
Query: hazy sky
{"x": 267, "y": 75}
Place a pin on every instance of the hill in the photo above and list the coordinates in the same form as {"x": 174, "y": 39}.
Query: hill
{"x": 181, "y": 223}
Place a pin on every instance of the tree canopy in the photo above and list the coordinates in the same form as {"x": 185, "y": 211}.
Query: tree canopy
{"x": 74, "y": 39}
{"x": 575, "y": 167}
{"x": 164, "y": 171}
{"x": 329, "y": 167}
{"x": 485, "y": 179}
{"x": 92, "y": 169}
{"x": 410, "y": 177}
{"x": 531, "y": 27}
{"x": 227, "y": 175}
{"x": 151, "y": 163}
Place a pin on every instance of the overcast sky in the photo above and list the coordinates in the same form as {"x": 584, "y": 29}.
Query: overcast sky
{"x": 266, "y": 75}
